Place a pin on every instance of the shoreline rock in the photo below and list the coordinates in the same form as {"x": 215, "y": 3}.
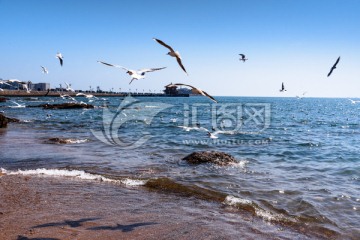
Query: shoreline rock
{"x": 218, "y": 158}
{"x": 65, "y": 106}
{"x": 5, "y": 120}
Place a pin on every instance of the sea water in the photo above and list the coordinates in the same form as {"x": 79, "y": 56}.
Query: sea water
{"x": 298, "y": 159}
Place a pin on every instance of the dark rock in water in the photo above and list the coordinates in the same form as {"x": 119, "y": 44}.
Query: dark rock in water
{"x": 65, "y": 140}
{"x": 2, "y": 99}
{"x": 65, "y": 106}
{"x": 5, "y": 120}
{"x": 218, "y": 158}
{"x": 58, "y": 140}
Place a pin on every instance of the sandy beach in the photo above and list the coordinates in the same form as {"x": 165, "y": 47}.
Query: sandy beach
{"x": 52, "y": 208}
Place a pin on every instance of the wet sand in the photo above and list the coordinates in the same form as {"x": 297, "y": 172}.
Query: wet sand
{"x": 35, "y": 207}
{"x": 51, "y": 208}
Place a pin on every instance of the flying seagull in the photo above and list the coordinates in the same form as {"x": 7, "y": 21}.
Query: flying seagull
{"x": 60, "y": 57}
{"x": 85, "y": 95}
{"x": 242, "y": 57}
{"x": 68, "y": 87}
{"x": 172, "y": 53}
{"x": 135, "y": 75}
{"x": 334, "y": 66}
{"x": 196, "y": 90}
{"x": 44, "y": 70}
{"x": 282, "y": 88}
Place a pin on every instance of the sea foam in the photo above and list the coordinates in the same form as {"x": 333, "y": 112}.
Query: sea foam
{"x": 78, "y": 174}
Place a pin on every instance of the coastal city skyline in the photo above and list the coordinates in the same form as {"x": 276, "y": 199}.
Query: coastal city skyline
{"x": 284, "y": 41}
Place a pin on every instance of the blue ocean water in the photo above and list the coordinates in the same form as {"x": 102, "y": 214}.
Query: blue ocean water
{"x": 298, "y": 158}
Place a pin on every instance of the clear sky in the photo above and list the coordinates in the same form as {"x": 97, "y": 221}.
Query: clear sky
{"x": 290, "y": 41}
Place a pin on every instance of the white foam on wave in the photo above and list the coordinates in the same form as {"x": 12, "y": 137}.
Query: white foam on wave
{"x": 231, "y": 200}
{"x": 78, "y": 174}
{"x": 26, "y": 121}
{"x": 73, "y": 141}
{"x": 268, "y": 216}
{"x": 133, "y": 182}
{"x": 240, "y": 164}
{"x": 264, "y": 214}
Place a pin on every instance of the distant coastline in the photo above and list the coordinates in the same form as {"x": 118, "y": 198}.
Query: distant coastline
{"x": 21, "y": 93}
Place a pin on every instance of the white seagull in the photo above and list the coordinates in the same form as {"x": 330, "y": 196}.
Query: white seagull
{"x": 282, "y": 88}
{"x": 64, "y": 96}
{"x": 85, "y": 95}
{"x": 194, "y": 89}
{"x": 25, "y": 87}
{"x": 44, "y": 70}
{"x": 135, "y": 75}
{"x": 353, "y": 101}
{"x": 68, "y": 87}
{"x": 172, "y": 53}
{"x": 17, "y": 105}
{"x": 242, "y": 57}
{"x": 300, "y": 97}
{"x": 60, "y": 57}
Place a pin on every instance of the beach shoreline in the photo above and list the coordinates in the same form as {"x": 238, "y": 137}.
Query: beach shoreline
{"x": 36, "y": 207}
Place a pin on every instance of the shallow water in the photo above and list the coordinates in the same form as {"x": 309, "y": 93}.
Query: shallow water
{"x": 298, "y": 158}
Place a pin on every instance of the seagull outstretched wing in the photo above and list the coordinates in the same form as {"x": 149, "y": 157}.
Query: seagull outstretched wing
{"x": 196, "y": 89}
{"x": 181, "y": 65}
{"x": 145, "y": 70}
{"x": 164, "y": 44}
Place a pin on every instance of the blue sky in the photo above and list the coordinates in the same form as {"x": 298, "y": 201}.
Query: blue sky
{"x": 295, "y": 42}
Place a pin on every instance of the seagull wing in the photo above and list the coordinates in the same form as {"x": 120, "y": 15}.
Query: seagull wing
{"x": 181, "y": 84}
{"x": 242, "y": 55}
{"x": 334, "y": 66}
{"x": 207, "y": 95}
{"x": 61, "y": 61}
{"x": 337, "y": 61}
{"x": 197, "y": 89}
{"x": 182, "y": 66}
{"x": 111, "y": 65}
{"x": 331, "y": 70}
{"x": 144, "y": 70}
{"x": 164, "y": 44}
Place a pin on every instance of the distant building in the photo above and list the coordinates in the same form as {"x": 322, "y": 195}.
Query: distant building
{"x": 170, "y": 90}
{"x": 40, "y": 86}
